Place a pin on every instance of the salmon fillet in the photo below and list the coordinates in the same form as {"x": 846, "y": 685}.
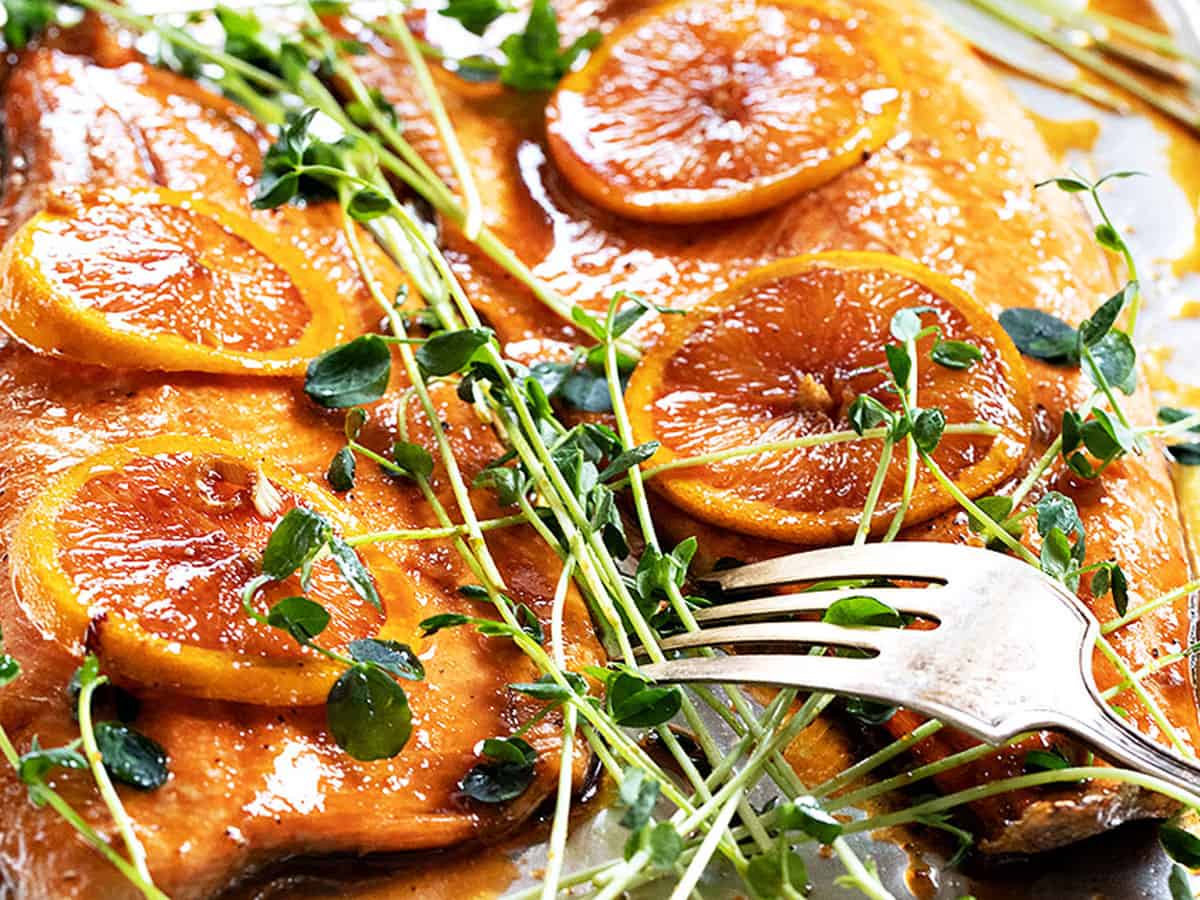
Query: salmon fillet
{"x": 953, "y": 190}
{"x": 249, "y": 784}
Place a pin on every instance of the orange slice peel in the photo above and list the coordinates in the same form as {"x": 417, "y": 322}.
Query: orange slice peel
{"x": 142, "y": 555}
{"x": 781, "y": 356}
{"x": 150, "y": 278}
{"x": 710, "y": 109}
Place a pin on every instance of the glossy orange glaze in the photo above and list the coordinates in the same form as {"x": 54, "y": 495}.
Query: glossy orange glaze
{"x": 700, "y": 111}
{"x": 169, "y": 542}
{"x": 248, "y": 784}
{"x": 783, "y": 356}
{"x": 954, "y": 191}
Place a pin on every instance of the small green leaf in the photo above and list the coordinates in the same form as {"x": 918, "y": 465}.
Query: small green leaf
{"x": 391, "y": 656}
{"x": 639, "y": 792}
{"x": 354, "y": 572}
{"x": 434, "y": 624}
{"x": 294, "y": 542}
{"x": 414, "y": 459}
{"x": 351, "y": 374}
{"x": 25, "y": 20}
{"x": 955, "y": 354}
{"x": 928, "y": 428}
{"x": 130, "y": 757}
{"x": 805, "y": 814}
{"x": 1041, "y": 335}
{"x": 627, "y": 459}
{"x": 475, "y": 15}
{"x": 507, "y": 775}
{"x": 1179, "y": 884}
{"x": 300, "y": 617}
{"x": 367, "y": 204}
{"x": 1120, "y": 590}
{"x": 1093, "y": 330}
{"x": 899, "y": 362}
{"x": 1070, "y": 185}
{"x": 1108, "y": 238}
{"x": 368, "y": 713}
{"x": 1046, "y": 760}
{"x": 866, "y": 412}
{"x": 10, "y": 670}
{"x": 665, "y": 845}
{"x": 997, "y": 509}
{"x": 37, "y": 763}
{"x": 1116, "y": 358}
{"x": 530, "y": 623}
{"x": 861, "y": 611}
{"x": 356, "y": 418}
{"x": 546, "y": 688}
{"x": 340, "y": 473}
{"x": 450, "y": 351}
{"x": 1182, "y": 846}
{"x": 774, "y": 870}
{"x": 635, "y": 704}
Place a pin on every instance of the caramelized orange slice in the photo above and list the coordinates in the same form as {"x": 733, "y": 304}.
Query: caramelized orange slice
{"x": 709, "y": 109}
{"x": 782, "y": 355}
{"x": 158, "y": 279}
{"x": 142, "y": 552}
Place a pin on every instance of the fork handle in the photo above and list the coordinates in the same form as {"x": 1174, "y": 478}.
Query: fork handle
{"x": 1119, "y": 743}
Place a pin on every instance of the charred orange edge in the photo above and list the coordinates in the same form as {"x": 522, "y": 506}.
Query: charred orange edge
{"x": 132, "y": 654}
{"x": 43, "y": 313}
{"x": 723, "y": 508}
{"x": 683, "y": 206}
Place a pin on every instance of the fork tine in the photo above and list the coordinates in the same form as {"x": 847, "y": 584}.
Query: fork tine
{"x": 918, "y": 601}
{"x": 917, "y": 560}
{"x": 878, "y": 639}
{"x": 835, "y": 674}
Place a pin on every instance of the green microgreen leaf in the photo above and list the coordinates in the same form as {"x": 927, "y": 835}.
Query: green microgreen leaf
{"x": 475, "y": 15}
{"x": 1179, "y": 884}
{"x": 354, "y": 373}
{"x": 507, "y": 774}
{"x": 36, "y": 764}
{"x": 1182, "y": 846}
{"x": 1116, "y": 358}
{"x": 413, "y": 459}
{"x": 578, "y": 386}
{"x": 368, "y": 713}
{"x": 638, "y": 793}
{"x": 300, "y": 617}
{"x": 10, "y": 670}
{"x": 634, "y": 703}
{"x": 1041, "y": 335}
{"x": 1045, "y": 760}
{"x": 25, "y": 20}
{"x": 546, "y": 688}
{"x": 434, "y": 624}
{"x": 955, "y": 354}
{"x": 899, "y": 362}
{"x": 450, "y": 351}
{"x": 352, "y": 425}
{"x": 861, "y": 611}
{"x": 1092, "y": 330}
{"x": 368, "y": 203}
{"x": 906, "y": 324}
{"x": 391, "y": 656}
{"x": 354, "y": 572}
{"x": 806, "y": 814}
{"x": 627, "y": 459}
{"x": 130, "y": 757}
{"x": 533, "y": 59}
{"x": 777, "y": 873}
{"x": 294, "y": 541}
{"x": 665, "y": 845}
{"x": 866, "y": 412}
{"x": 342, "y": 467}
{"x": 927, "y": 429}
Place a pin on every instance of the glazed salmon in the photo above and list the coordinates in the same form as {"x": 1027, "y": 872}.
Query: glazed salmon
{"x": 954, "y": 190}
{"x": 249, "y": 784}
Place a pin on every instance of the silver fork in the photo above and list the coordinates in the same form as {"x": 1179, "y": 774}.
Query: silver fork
{"x": 1011, "y": 653}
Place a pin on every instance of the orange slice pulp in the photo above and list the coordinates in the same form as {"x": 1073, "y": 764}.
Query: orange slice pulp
{"x": 143, "y": 551}
{"x": 782, "y": 355}
{"x": 159, "y": 279}
{"x": 709, "y": 109}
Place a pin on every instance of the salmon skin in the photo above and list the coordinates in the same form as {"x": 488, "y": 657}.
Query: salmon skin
{"x": 249, "y": 785}
{"x": 953, "y": 190}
